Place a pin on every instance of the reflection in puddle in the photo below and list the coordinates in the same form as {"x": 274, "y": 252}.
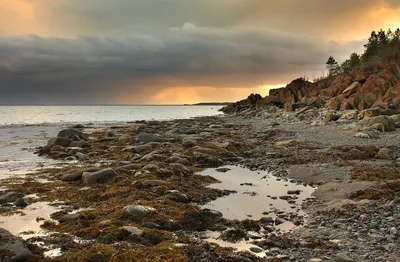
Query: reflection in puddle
{"x": 258, "y": 195}
{"x": 253, "y": 189}
{"x": 26, "y": 224}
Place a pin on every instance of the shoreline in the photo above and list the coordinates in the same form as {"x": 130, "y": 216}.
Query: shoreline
{"x": 277, "y": 142}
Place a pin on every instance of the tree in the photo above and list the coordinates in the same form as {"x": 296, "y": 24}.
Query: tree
{"x": 332, "y": 66}
{"x": 355, "y": 60}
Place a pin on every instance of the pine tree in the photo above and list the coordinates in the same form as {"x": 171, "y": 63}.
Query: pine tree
{"x": 332, "y": 66}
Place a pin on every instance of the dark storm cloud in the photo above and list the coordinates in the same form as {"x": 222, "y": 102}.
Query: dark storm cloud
{"x": 90, "y": 68}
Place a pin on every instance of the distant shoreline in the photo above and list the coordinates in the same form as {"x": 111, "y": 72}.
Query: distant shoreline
{"x": 197, "y": 104}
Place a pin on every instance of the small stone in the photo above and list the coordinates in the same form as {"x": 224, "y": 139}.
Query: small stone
{"x": 386, "y": 153}
{"x": 125, "y": 138}
{"x": 81, "y": 157}
{"x": 256, "y": 249}
{"x": 68, "y": 217}
{"x": 133, "y": 230}
{"x": 279, "y": 221}
{"x": 138, "y": 210}
{"x": 20, "y": 202}
{"x": 362, "y": 135}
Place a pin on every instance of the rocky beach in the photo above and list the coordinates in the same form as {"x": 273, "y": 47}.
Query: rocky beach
{"x": 141, "y": 191}
{"x": 199, "y": 131}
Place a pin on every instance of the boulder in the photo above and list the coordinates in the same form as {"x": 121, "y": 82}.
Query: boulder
{"x": 392, "y": 96}
{"x": 353, "y": 88}
{"x": 387, "y": 123}
{"x": 81, "y": 156}
{"x": 12, "y": 248}
{"x": 350, "y": 115}
{"x": 57, "y": 148}
{"x": 340, "y": 83}
{"x": 178, "y": 168}
{"x": 8, "y": 197}
{"x": 72, "y": 134}
{"x": 376, "y": 111}
{"x": 189, "y": 143}
{"x": 386, "y": 153}
{"x": 245, "y": 104}
{"x": 73, "y": 176}
{"x": 125, "y": 138}
{"x": 333, "y": 104}
{"x": 375, "y": 86}
{"x": 21, "y": 203}
{"x": 151, "y": 168}
{"x": 147, "y": 138}
{"x": 90, "y": 178}
{"x": 59, "y": 141}
{"x": 81, "y": 144}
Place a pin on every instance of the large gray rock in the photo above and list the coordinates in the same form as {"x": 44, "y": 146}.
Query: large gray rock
{"x": 12, "y": 248}
{"x": 147, "y": 138}
{"x": 90, "y": 178}
{"x": 73, "y": 176}
{"x": 80, "y": 144}
{"x": 72, "y": 134}
{"x": 59, "y": 141}
{"x": 384, "y": 121}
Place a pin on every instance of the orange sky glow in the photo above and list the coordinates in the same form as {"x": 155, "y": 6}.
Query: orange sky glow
{"x": 28, "y": 17}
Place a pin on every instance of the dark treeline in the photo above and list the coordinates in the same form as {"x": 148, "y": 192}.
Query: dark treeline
{"x": 382, "y": 49}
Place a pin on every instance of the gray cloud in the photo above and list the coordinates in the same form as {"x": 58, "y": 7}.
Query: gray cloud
{"x": 92, "y": 69}
{"x": 120, "y": 16}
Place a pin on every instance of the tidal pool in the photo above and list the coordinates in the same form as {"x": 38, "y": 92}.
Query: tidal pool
{"x": 26, "y": 223}
{"x": 258, "y": 195}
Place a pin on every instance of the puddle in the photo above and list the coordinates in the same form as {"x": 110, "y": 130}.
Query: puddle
{"x": 26, "y": 224}
{"x": 258, "y": 195}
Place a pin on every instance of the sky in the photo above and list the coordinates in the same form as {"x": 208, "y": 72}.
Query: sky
{"x": 174, "y": 51}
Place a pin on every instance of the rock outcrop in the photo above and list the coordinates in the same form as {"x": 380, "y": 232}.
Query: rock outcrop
{"x": 246, "y": 104}
{"x": 360, "y": 89}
